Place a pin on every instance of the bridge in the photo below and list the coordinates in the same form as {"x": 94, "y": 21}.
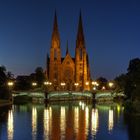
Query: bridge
{"x": 70, "y": 95}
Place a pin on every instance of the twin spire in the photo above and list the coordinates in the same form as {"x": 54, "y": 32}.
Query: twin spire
{"x": 80, "y": 34}
{"x": 55, "y": 34}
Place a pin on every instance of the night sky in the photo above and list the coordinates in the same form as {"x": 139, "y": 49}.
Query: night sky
{"x": 111, "y": 28}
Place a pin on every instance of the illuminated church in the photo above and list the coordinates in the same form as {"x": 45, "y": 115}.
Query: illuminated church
{"x": 73, "y": 72}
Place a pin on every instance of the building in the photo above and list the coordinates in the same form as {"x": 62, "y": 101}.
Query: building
{"x": 69, "y": 73}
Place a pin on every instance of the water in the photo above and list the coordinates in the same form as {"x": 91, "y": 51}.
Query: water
{"x": 68, "y": 121}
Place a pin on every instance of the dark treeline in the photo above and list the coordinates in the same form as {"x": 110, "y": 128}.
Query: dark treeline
{"x": 25, "y": 82}
{"x": 4, "y": 77}
{"x": 129, "y": 83}
{"x": 22, "y": 82}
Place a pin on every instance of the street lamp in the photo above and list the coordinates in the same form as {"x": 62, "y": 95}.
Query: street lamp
{"x": 63, "y": 85}
{"x": 34, "y": 84}
{"x": 87, "y": 83}
{"x": 103, "y": 88}
{"x": 95, "y": 85}
{"x": 10, "y": 84}
{"x": 94, "y": 88}
{"x": 111, "y": 84}
{"x": 76, "y": 85}
{"x": 47, "y": 83}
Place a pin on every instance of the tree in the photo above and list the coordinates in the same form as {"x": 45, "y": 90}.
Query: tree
{"x": 133, "y": 81}
{"x": 10, "y": 76}
{"x": 40, "y": 76}
{"x": 4, "y": 92}
{"x": 120, "y": 82}
{"x": 102, "y": 82}
{"x": 130, "y": 82}
{"x": 3, "y": 77}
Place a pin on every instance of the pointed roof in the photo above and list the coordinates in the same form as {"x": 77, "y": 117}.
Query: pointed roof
{"x": 80, "y": 33}
{"x": 55, "y": 33}
{"x": 67, "y": 48}
{"x": 68, "y": 59}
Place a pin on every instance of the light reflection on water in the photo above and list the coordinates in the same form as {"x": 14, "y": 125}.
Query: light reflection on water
{"x": 34, "y": 122}
{"x": 62, "y": 122}
{"x": 10, "y": 125}
{"x": 71, "y": 121}
{"x": 95, "y": 121}
{"x": 76, "y": 120}
{"x": 47, "y": 122}
{"x": 110, "y": 120}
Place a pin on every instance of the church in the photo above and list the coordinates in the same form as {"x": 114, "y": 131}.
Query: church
{"x": 68, "y": 73}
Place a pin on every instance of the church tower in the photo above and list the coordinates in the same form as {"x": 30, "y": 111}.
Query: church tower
{"x": 81, "y": 71}
{"x": 55, "y": 55}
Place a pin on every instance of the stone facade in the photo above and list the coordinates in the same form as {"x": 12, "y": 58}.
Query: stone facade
{"x": 67, "y": 69}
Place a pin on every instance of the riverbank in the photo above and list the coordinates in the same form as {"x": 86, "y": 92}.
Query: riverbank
{"x": 132, "y": 107}
{"x": 4, "y": 103}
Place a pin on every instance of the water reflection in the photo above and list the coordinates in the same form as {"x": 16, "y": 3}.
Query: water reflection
{"x": 94, "y": 121}
{"x": 62, "y": 122}
{"x": 87, "y": 119}
{"x": 71, "y": 121}
{"x": 10, "y": 125}
{"x": 34, "y": 123}
{"x": 110, "y": 120}
{"x": 76, "y": 120}
{"x": 47, "y": 122}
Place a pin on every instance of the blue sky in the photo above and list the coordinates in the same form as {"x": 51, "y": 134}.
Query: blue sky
{"x": 111, "y": 28}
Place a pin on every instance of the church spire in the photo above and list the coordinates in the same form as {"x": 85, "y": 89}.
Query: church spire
{"x": 55, "y": 25}
{"x": 55, "y": 34}
{"x": 67, "y": 48}
{"x": 80, "y": 33}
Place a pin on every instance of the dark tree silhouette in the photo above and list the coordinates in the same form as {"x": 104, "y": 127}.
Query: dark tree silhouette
{"x": 130, "y": 82}
{"x": 4, "y": 92}
{"x": 40, "y": 76}
{"x": 102, "y": 82}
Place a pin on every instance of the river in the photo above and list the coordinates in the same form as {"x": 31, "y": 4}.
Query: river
{"x": 68, "y": 121}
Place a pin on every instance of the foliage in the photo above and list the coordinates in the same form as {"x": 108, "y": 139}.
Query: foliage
{"x": 130, "y": 82}
{"x": 39, "y": 76}
{"x": 23, "y": 83}
{"x": 102, "y": 82}
{"x": 133, "y": 81}
{"x": 4, "y": 91}
{"x": 3, "y": 77}
{"x": 120, "y": 82}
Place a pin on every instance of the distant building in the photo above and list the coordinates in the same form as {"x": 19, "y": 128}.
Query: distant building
{"x": 68, "y": 69}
